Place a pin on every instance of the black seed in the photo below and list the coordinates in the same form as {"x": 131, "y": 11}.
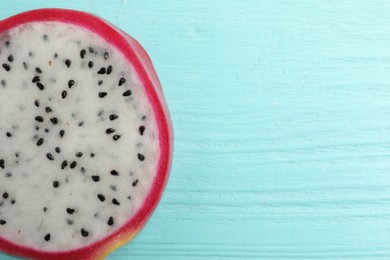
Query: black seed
{"x": 141, "y": 157}
{"x": 127, "y": 93}
{"x": 69, "y": 221}
{"x": 84, "y": 232}
{"x": 143, "y": 117}
{"x": 40, "y": 86}
{"x": 106, "y": 55}
{"x": 56, "y": 184}
{"x": 115, "y": 202}
{"x": 113, "y": 117}
{"x": 114, "y": 172}
{"x": 101, "y": 197}
{"x": 38, "y": 70}
{"x": 2, "y": 163}
{"x": 100, "y": 82}
{"x": 116, "y": 137}
{"x": 55, "y": 55}
{"x": 3, "y": 82}
{"x": 135, "y": 183}
{"x": 68, "y": 63}
{"x": 8, "y": 174}
{"x": 102, "y": 94}
{"x": 7, "y": 44}
{"x": 71, "y": 83}
{"x": 57, "y": 149}
{"x": 110, "y": 130}
{"x": 39, "y": 119}
{"x": 73, "y": 164}
{"x": 36, "y": 79}
{"x": 40, "y": 141}
{"x": 95, "y": 178}
{"x": 45, "y": 37}
{"x": 50, "y": 156}
{"x": 114, "y": 188}
{"x": 44, "y": 209}
{"x": 121, "y": 81}
{"x": 10, "y": 58}
{"x": 13, "y": 202}
{"x": 62, "y": 132}
{"x": 109, "y": 70}
{"x": 64, "y": 94}
{"x": 82, "y": 169}
{"x": 25, "y": 66}
{"x": 102, "y": 70}
{"x": 141, "y": 130}
{"x": 82, "y": 53}
{"x": 81, "y": 123}
{"x": 92, "y": 155}
{"x": 9, "y": 134}
{"x": 5, "y": 195}
{"x": 79, "y": 154}
{"x": 129, "y": 197}
{"x": 91, "y": 50}
{"x": 3, "y": 222}
{"x": 36, "y": 128}
{"x": 48, "y": 109}
{"x": 90, "y": 64}
{"x": 64, "y": 164}
{"x": 70, "y": 211}
{"x": 110, "y": 221}
{"x": 54, "y": 120}
{"x": 47, "y": 237}
{"x": 6, "y": 66}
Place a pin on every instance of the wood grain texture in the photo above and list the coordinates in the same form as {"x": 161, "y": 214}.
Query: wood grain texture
{"x": 282, "y": 126}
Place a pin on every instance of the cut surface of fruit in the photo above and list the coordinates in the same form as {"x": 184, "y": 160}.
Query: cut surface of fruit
{"x": 86, "y": 136}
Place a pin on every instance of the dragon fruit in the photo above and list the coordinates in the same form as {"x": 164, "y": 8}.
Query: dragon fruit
{"x": 85, "y": 134}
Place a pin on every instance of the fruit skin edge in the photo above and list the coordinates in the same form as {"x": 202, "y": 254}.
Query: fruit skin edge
{"x": 143, "y": 66}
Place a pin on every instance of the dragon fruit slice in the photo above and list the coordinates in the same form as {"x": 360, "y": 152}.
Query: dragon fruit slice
{"x": 85, "y": 134}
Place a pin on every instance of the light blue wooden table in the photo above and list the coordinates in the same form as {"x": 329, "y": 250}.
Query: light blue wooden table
{"x": 281, "y": 112}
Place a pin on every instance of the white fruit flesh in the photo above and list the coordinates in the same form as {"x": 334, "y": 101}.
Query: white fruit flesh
{"x": 35, "y": 208}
